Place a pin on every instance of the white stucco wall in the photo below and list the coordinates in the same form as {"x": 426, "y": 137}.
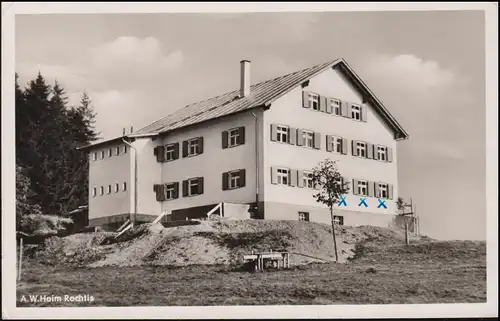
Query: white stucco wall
{"x": 288, "y": 110}
{"x": 109, "y": 171}
{"x": 210, "y": 164}
{"x": 148, "y": 173}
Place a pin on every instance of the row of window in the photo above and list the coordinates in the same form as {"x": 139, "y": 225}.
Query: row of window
{"x": 304, "y": 179}
{"x": 194, "y": 146}
{"x": 116, "y": 151}
{"x": 109, "y": 189}
{"x": 194, "y": 186}
{"x": 337, "y": 219}
{"x": 333, "y": 106}
{"x": 307, "y": 138}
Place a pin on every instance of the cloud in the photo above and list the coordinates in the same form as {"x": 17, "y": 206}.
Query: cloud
{"x": 133, "y": 57}
{"x": 409, "y": 72}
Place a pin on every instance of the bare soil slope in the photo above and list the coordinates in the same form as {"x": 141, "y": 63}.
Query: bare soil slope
{"x": 213, "y": 242}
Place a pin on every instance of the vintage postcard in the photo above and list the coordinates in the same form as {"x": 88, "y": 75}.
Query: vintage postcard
{"x": 249, "y": 160}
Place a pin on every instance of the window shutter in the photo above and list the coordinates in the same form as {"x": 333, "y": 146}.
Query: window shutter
{"x": 185, "y": 188}
{"x": 344, "y": 146}
{"x": 241, "y": 138}
{"x": 155, "y": 189}
{"x": 344, "y": 109}
{"x": 155, "y": 151}
{"x": 355, "y": 187}
{"x": 329, "y": 107}
{"x": 369, "y": 150}
{"x": 300, "y": 137}
{"x": 225, "y": 138}
{"x": 300, "y": 180}
{"x": 371, "y": 188}
{"x": 200, "y": 144}
{"x": 274, "y": 175}
{"x": 317, "y": 140}
{"x": 322, "y": 103}
{"x": 274, "y": 133}
{"x": 353, "y": 148}
{"x": 363, "y": 113}
{"x": 225, "y": 181}
{"x": 160, "y": 157}
{"x": 176, "y": 190}
{"x": 391, "y": 191}
{"x": 292, "y": 136}
{"x": 185, "y": 148}
{"x": 375, "y": 152}
{"x": 292, "y": 175}
{"x": 305, "y": 99}
{"x": 242, "y": 177}
{"x": 377, "y": 189}
{"x": 176, "y": 151}
{"x": 329, "y": 140}
{"x": 389, "y": 154}
{"x": 200, "y": 185}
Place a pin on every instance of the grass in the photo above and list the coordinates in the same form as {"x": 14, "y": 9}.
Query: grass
{"x": 442, "y": 272}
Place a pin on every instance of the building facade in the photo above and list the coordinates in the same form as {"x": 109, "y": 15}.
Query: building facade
{"x": 253, "y": 150}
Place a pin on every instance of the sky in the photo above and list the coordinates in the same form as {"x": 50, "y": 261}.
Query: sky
{"x": 427, "y": 67}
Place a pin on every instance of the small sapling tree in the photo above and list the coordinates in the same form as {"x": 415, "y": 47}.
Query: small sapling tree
{"x": 330, "y": 185}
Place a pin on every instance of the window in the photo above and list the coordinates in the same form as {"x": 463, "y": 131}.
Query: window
{"x": 283, "y": 133}
{"x": 117, "y": 187}
{"x": 233, "y": 135}
{"x": 101, "y": 190}
{"x": 94, "y": 157}
{"x": 170, "y": 152}
{"x": 234, "y": 179}
{"x": 109, "y": 189}
{"x": 313, "y": 101}
{"x": 94, "y": 192}
{"x": 307, "y": 178}
{"x": 335, "y": 104}
{"x": 283, "y": 176}
{"x": 335, "y": 144}
{"x": 110, "y": 152}
{"x": 193, "y": 186}
{"x": 381, "y": 153}
{"x": 117, "y": 151}
{"x": 304, "y": 216}
{"x": 361, "y": 148}
{"x": 124, "y": 149}
{"x": 102, "y": 154}
{"x": 339, "y": 220}
{"x": 355, "y": 112}
{"x": 170, "y": 191}
{"x": 363, "y": 188}
{"x": 383, "y": 190}
{"x": 193, "y": 147}
{"x": 124, "y": 186}
{"x": 308, "y": 138}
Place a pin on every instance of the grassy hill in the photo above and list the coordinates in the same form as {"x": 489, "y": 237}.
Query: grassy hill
{"x": 195, "y": 265}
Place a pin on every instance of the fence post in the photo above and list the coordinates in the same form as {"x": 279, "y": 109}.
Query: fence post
{"x": 20, "y": 259}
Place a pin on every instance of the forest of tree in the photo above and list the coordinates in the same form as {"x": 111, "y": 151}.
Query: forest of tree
{"x": 51, "y": 173}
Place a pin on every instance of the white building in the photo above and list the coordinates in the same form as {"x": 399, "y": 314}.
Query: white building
{"x": 251, "y": 149}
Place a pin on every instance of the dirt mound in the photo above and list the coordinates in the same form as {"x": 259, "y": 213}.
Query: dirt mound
{"x": 217, "y": 242}
{"x": 78, "y": 249}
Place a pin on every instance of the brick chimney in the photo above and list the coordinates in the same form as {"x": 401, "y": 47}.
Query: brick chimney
{"x": 245, "y": 78}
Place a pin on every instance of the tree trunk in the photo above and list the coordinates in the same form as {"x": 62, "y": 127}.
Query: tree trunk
{"x": 333, "y": 234}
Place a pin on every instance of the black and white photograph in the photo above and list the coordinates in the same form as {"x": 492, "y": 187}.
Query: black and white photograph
{"x": 249, "y": 160}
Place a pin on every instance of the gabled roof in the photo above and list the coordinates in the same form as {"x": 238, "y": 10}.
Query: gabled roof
{"x": 262, "y": 94}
